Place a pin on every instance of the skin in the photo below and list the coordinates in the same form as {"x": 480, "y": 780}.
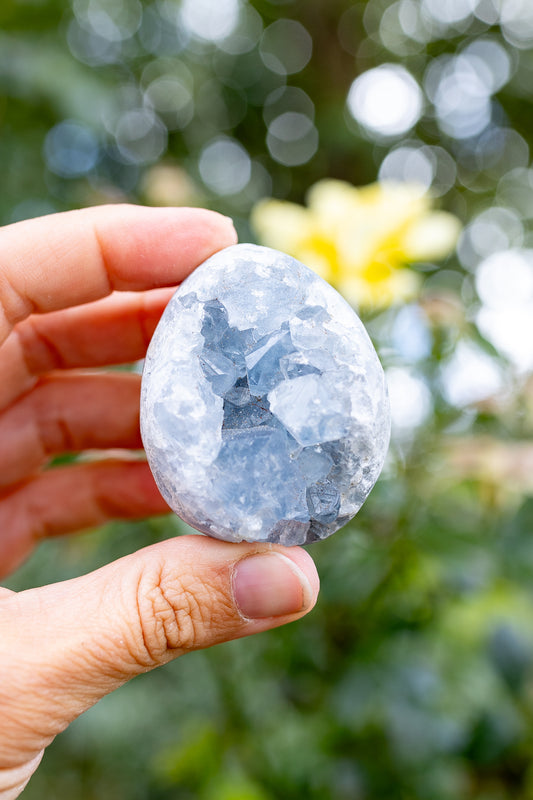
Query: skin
{"x": 80, "y": 291}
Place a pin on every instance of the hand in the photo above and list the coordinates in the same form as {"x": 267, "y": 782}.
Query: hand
{"x": 74, "y": 296}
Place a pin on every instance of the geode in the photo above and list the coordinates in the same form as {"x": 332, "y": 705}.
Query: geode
{"x": 264, "y": 410}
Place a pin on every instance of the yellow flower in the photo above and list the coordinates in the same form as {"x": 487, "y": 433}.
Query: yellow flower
{"x": 360, "y": 239}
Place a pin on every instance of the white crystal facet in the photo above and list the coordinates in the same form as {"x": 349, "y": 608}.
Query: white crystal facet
{"x": 264, "y": 411}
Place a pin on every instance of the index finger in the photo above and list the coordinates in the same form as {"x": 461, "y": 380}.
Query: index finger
{"x": 75, "y": 257}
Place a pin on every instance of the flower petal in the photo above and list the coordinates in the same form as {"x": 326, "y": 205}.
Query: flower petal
{"x": 400, "y": 286}
{"x": 432, "y": 237}
{"x": 281, "y": 225}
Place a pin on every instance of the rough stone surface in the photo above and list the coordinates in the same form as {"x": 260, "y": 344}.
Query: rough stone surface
{"x": 264, "y": 412}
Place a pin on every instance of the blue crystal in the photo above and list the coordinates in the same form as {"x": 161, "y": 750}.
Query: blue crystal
{"x": 239, "y": 394}
{"x": 317, "y": 313}
{"x": 264, "y": 411}
{"x": 250, "y": 415}
{"x": 314, "y": 464}
{"x": 323, "y": 500}
{"x": 297, "y": 364}
{"x": 214, "y": 323}
{"x": 219, "y": 370}
{"x": 234, "y": 344}
{"x": 263, "y": 361}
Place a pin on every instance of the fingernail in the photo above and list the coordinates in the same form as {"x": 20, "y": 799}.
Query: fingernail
{"x": 232, "y": 226}
{"x": 270, "y": 585}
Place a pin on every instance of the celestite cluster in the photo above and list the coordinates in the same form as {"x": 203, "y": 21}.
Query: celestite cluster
{"x": 264, "y": 411}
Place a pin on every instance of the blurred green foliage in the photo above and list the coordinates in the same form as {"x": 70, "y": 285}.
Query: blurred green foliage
{"x": 413, "y": 678}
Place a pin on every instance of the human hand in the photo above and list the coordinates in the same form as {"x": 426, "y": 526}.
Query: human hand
{"x": 80, "y": 291}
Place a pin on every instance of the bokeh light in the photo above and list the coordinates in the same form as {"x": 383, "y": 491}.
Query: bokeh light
{"x": 408, "y": 164}
{"x": 161, "y": 32}
{"x": 208, "y": 21}
{"x": 470, "y": 376}
{"x": 410, "y": 400}
{"x": 71, "y": 150}
{"x": 386, "y": 100}
{"x": 245, "y": 34}
{"x": 140, "y": 136}
{"x": 491, "y": 231}
{"x": 169, "y": 91}
{"x": 461, "y": 94}
{"x": 504, "y": 283}
{"x": 225, "y": 166}
{"x": 292, "y": 138}
{"x": 450, "y": 12}
{"x": 114, "y": 21}
{"x": 286, "y": 47}
{"x": 410, "y": 335}
{"x": 516, "y": 20}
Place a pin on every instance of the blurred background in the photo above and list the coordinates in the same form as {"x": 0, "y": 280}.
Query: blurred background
{"x": 413, "y": 678}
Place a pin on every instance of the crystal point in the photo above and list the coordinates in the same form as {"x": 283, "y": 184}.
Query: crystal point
{"x": 264, "y": 412}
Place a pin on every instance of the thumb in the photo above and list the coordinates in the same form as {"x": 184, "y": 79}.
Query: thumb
{"x": 64, "y": 646}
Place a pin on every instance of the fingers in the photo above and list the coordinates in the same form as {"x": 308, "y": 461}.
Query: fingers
{"x": 14, "y": 780}
{"x": 115, "y": 330}
{"x": 68, "y": 413}
{"x": 68, "y": 645}
{"x": 68, "y": 259}
{"x": 68, "y": 499}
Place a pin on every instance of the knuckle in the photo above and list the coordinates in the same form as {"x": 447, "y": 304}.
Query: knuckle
{"x": 13, "y": 305}
{"x": 39, "y": 350}
{"x": 174, "y": 616}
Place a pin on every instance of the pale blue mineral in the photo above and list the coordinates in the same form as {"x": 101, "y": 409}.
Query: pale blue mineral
{"x": 264, "y": 411}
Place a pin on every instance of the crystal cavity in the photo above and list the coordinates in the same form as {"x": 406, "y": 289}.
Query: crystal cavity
{"x": 264, "y": 410}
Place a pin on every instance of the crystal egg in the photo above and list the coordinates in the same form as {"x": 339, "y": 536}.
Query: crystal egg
{"x": 264, "y": 409}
